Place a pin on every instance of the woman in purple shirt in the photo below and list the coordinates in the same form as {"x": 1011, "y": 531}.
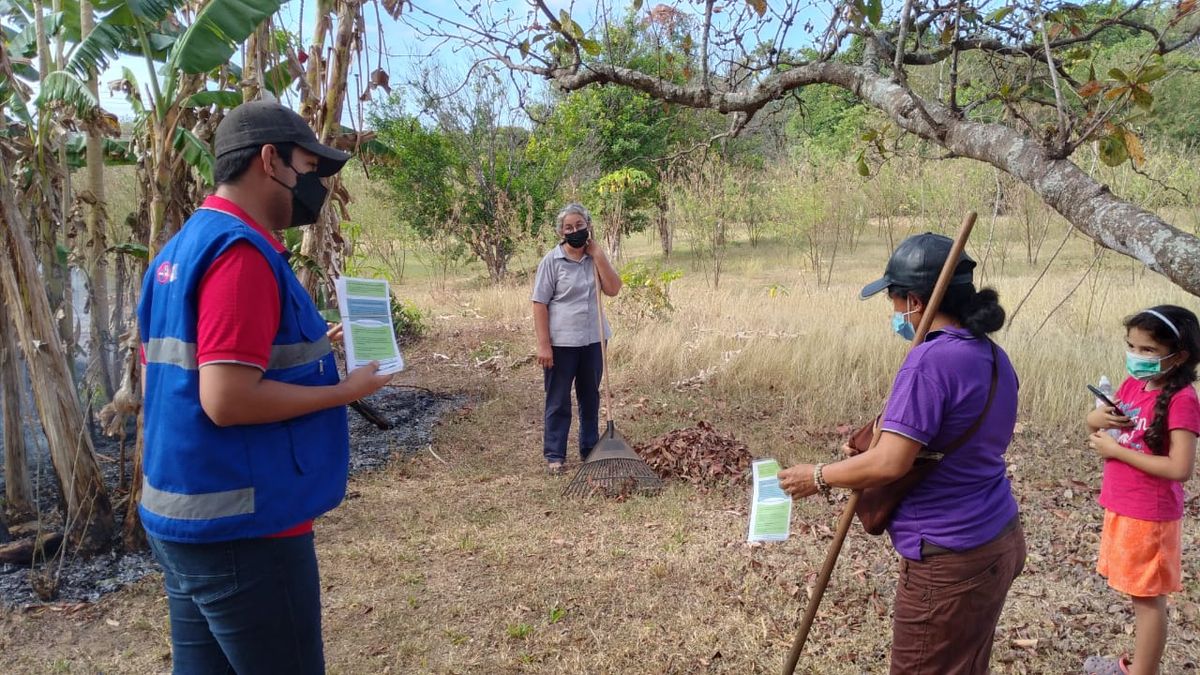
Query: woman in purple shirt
{"x": 957, "y": 532}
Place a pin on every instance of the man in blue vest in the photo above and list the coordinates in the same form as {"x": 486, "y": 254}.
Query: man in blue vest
{"x": 245, "y": 419}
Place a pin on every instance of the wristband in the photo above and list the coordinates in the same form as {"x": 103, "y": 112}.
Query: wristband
{"x": 819, "y": 480}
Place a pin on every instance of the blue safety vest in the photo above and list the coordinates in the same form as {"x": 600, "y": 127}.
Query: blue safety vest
{"x": 205, "y": 483}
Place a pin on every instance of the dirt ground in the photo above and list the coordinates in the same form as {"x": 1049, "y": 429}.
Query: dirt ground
{"x": 465, "y": 559}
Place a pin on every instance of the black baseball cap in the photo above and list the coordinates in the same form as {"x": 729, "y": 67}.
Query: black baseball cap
{"x": 916, "y": 264}
{"x": 265, "y": 122}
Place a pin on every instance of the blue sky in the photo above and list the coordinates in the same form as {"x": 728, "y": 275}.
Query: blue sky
{"x": 405, "y": 49}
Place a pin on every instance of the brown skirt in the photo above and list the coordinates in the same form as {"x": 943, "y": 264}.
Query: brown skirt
{"x": 948, "y": 605}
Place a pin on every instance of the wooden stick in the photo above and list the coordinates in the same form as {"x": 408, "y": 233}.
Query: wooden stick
{"x": 603, "y": 346}
{"x": 847, "y": 517}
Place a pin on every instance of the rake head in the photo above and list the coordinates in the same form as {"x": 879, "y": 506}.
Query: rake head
{"x": 613, "y": 469}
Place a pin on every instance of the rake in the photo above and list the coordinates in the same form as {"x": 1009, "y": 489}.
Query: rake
{"x": 612, "y": 468}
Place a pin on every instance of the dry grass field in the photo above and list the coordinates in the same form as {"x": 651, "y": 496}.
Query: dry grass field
{"x": 471, "y": 562}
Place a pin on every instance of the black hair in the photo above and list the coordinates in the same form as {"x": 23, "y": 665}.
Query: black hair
{"x": 231, "y": 166}
{"x": 1158, "y": 436}
{"x": 978, "y": 311}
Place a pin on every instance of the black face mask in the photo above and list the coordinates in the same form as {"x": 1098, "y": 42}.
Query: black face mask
{"x": 577, "y": 239}
{"x": 308, "y": 196}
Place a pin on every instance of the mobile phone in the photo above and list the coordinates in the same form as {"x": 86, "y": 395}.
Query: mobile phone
{"x": 1100, "y": 395}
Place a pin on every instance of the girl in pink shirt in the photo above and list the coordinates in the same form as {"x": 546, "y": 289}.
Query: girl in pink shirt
{"x": 1149, "y": 451}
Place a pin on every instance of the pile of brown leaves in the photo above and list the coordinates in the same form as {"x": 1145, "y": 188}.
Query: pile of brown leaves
{"x": 698, "y": 455}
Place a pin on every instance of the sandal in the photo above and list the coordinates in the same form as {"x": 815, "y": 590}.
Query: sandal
{"x": 555, "y": 468}
{"x": 1098, "y": 665}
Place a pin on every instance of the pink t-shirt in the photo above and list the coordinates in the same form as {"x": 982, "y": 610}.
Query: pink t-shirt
{"x": 1132, "y": 492}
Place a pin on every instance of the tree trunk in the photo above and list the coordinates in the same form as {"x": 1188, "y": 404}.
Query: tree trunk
{"x": 96, "y": 247}
{"x": 134, "y": 536}
{"x": 251, "y": 74}
{"x": 18, "y": 491}
{"x": 89, "y": 519}
{"x": 664, "y": 228}
{"x": 46, "y": 216}
{"x": 321, "y": 238}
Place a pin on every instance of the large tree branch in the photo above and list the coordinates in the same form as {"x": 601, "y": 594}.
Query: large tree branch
{"x": 1086, "y": 203}
{"x": 1033, "y": 48}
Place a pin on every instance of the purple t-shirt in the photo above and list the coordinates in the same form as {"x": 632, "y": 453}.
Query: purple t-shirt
{"x": 938, "y": 394}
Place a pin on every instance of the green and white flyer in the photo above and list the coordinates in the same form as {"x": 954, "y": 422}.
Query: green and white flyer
{"x": 770, "y": 506}
{"x": 366, "y": 309}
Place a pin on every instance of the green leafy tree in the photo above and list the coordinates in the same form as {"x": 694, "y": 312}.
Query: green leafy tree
{"x": 465, "y": 171}
{"x": 1028, "y": 116}
{"x": 616, "y": 130}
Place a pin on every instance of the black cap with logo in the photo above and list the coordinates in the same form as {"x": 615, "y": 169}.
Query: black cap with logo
{"x": 264, "y": 122}
{"x": 916, "y": 264}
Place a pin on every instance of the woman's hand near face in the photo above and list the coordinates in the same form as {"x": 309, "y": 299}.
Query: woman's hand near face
{"x": 594, "y": 249}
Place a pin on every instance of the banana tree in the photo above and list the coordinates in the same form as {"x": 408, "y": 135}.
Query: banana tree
{"x": 34, "y": 191}
{"x": 192, "y": 43}
{"x": 323, "y": 92}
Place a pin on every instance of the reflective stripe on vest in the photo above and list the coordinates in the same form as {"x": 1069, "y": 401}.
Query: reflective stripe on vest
{"x": 175, "y": 352}
{"x": 205, "y": 506}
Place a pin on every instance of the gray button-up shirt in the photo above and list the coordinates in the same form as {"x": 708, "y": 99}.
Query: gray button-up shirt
{"x": 568, "y": 289}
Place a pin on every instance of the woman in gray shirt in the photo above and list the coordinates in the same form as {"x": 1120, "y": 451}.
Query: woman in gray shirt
{"x": 565, "y": 321}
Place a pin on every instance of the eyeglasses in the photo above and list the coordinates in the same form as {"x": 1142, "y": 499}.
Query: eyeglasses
{"x": 568, "y": 229}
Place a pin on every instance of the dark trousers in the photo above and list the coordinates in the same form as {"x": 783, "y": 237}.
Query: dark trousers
{"x": 583, "y": 367}
{"x": 948, "y": 605}
{"x": 248, "y": 606}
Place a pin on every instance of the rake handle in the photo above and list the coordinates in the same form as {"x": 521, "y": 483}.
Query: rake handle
{"x": 847, "y": 517}
{"x": 608, "y": 414}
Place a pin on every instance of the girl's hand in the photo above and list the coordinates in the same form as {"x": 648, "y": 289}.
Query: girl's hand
{"x": 797, "y": 481}
{"x": 1108, "y": 417}
{"x": 1103, "y": 444}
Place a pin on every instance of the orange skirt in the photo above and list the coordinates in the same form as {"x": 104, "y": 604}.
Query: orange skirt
{"x": 1141, "y": 558}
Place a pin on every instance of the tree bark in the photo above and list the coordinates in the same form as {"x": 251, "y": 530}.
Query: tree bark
{"x": 134, "y": 535}
{"x": 1087, "y": 204}
{"x": 18, "y": 491}
{"x": 664, "y": 227}
{"x": 46, "y": 215}
{"x": 321, "y": 239}
{"x": 89, "y": 519}
{"x": 25, "y": 551}
{"x": 251, "y": 75}
{"x": 96, "y": 247}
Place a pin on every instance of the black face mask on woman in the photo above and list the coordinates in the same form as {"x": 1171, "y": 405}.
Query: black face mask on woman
{"x": 577, "y": 239}
{"x": 308, "y": 196}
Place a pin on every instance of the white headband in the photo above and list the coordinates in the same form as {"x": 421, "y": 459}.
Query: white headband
{"x": 1164, "y": 319}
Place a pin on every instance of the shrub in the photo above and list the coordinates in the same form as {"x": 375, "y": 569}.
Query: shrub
{"x": 646, "y": 291}
{"x": 408, "y": 320}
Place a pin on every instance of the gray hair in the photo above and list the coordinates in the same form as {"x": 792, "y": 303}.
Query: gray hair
{"x": 576, "y": 208}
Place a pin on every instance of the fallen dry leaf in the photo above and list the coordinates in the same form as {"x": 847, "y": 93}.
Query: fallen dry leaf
{"x": 697, "y": 455}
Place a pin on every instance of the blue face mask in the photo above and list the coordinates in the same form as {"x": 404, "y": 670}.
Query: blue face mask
{"x": 1145, "y": 368}
{"x": 902, "y": 326}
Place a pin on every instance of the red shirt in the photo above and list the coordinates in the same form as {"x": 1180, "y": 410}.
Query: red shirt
{"x": 1129, "y": 491}
{"x": 238, "y": 308}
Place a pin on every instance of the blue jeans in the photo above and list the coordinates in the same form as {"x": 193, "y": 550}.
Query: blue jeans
{"x": 248, "y": 606}
{"x": 581, "y": 367}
